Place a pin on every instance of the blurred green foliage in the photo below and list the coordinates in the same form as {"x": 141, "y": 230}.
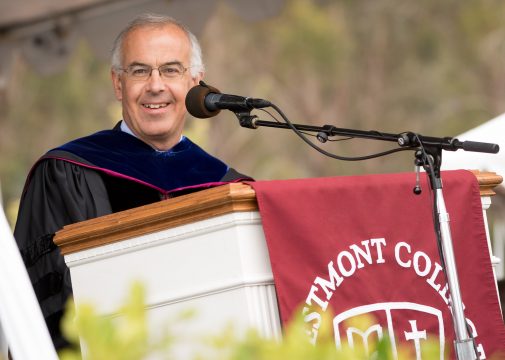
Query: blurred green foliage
{"x": 126, "y": 337}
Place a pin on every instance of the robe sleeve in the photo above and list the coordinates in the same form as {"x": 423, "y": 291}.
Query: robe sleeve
{"x": 57, "y": 193}
{"x": 233, "y": 175}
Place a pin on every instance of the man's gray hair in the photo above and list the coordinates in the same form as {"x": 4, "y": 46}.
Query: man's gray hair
{"x": 196, "y": 63}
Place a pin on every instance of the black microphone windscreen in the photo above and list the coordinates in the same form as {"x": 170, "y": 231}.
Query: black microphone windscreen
{"x": 195, "y": 101}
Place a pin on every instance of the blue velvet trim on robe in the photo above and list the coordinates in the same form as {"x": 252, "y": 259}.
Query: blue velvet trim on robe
{"x": 186, "y": 164}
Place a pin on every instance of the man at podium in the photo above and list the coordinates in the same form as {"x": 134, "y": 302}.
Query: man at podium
{"x": 145, "y": 158}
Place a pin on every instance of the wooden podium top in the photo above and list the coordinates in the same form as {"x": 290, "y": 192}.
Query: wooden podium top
{"x": 156, "y": 216}
{"x": 180, "y": 211}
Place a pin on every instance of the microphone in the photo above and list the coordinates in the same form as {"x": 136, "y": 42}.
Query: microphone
{"x": 204, "y": 101}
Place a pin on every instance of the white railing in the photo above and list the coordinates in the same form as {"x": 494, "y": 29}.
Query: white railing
{"x": 20, "y": 316}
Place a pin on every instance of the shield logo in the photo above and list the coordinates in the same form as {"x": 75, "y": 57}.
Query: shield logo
{"x": 407, "y": 323}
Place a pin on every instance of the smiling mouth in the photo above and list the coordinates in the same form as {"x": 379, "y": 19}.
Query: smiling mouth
{"x": 155, "y": 106}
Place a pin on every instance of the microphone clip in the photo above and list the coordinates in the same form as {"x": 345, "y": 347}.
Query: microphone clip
{"x": 417, "y": 189}
{"x": 247, "y": 120}
{"x": 418, "y": 163}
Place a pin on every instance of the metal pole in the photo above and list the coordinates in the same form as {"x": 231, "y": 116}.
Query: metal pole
{"x": 463, "y": 344}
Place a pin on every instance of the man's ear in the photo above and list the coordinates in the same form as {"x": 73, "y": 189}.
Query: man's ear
{"x": 196, "y": 79}
{"x": 116, "y": 83}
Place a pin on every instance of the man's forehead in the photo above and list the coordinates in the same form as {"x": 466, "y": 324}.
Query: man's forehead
{"x": 167, "y": 42}
{"x": 169, "y": 30}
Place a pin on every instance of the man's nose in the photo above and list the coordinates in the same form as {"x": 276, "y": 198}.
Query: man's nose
{"x": 155, "y": 82}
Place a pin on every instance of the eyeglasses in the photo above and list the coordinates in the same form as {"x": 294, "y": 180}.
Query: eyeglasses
{"x": 167, "y": 71}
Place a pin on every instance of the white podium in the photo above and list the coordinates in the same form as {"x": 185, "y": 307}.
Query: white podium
{"x": 204, "y": 251}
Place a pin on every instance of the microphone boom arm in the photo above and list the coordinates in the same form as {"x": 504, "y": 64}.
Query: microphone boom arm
{"x": 405, "y": 140}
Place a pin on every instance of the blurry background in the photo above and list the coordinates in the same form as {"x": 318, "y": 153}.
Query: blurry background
{"x": 433, "y": 67}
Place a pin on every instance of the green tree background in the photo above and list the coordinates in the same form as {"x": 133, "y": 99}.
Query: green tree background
{"x": 433, "y": 67}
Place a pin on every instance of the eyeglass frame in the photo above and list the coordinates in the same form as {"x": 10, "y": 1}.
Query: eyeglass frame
{"x": 128, "y": 70}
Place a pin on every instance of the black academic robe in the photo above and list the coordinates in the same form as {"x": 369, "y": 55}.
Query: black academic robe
{"x": 94, "y": 176}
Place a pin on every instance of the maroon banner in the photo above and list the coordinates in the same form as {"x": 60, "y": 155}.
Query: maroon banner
{"x": 367, "y": 245}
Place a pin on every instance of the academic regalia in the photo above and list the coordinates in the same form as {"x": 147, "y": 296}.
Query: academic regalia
{"x": 94, "y": 176}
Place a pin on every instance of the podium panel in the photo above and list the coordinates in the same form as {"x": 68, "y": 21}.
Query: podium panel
{"x": 218, "y": 267}
{"x": 204, "y": 252}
